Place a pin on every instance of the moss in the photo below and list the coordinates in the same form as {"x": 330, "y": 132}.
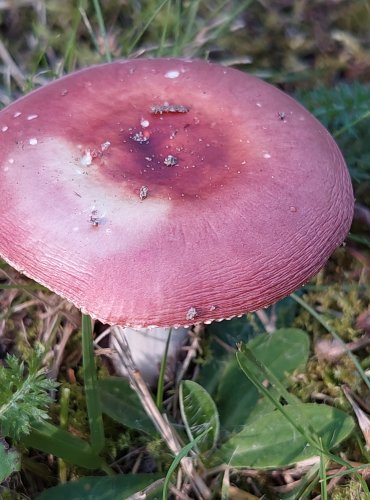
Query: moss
{"x": 351, "y": 491}
{"x": 160, "y": 454}
{"x": 325, "y": 379}
{"x": 340, "y": 305}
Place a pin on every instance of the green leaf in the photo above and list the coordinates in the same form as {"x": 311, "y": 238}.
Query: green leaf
{"x": 121, "y": 404}
{"x": 51, "y": 439}
{"x": 272, "y": 441}
{"x": 284, "y": 351}
{"x": 200, "y": 415}
{"x": 24, "y": 396}
{"x": 100, "y": 488}
{"x": 10, "y": 460}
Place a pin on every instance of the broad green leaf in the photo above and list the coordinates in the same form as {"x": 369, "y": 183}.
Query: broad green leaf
{"x": 51, "y": 439}
{"x": 100, "y": 488}
{"x": 121, "y": 404}
{"x": 10, "y": 460}
{"x": 283, "y": 352}
{"x": 236, "y": 397}
{"x": 199, "y": 414}
{"x": 272, "y": 441}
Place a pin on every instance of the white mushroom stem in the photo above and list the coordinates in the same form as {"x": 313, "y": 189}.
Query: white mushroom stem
{"x": 161, "y": 423}
{"x": 148, "y": 348}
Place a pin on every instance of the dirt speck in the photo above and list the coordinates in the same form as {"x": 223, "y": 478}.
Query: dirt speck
{"x": 143, "y": 192}
{"x": 191, "y": 314}
{"x": 159, "y": 109}
{"x": 105, "y": 146}
{"x": 94, "y": 218}
{"x": 170, "y": 161}
{"x": 140, "y": 137}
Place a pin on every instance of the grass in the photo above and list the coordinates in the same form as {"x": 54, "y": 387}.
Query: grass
{"x": 315, "y": 52}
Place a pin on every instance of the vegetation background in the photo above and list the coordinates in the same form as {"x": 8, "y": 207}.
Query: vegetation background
{"x": 317, "y": 51}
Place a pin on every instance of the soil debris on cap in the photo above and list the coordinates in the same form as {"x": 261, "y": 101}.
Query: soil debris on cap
{"x": 191, "y": 314}
{"x": 140, "y": 137}
{"x": 143, "y": 192}
{"x": 168, "y": 108}
{"x": 170, "y": 161}
{"x": 94, "y": 218}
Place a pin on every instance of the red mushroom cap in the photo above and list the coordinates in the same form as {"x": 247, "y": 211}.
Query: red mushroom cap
{"x": 168, "y": 191}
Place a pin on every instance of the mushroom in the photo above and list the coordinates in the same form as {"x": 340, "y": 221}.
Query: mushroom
{"x": 168, "y": 192}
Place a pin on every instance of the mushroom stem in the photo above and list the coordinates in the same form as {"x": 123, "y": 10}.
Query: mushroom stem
{"x": 149, "y": 346}
{"x": 162, "y": 425}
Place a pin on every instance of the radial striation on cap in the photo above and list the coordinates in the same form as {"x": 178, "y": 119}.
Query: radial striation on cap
{"x": 168, "y": 191}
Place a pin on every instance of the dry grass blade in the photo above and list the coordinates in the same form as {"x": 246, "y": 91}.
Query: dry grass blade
{"x": 331, "y": 350}
{"x": 192, "y": 351}
{"x": 362, "y": 418}
{"x": 268, "y": 322}
{"x": 10, "y": 66}
{"x": 161, "y": 424}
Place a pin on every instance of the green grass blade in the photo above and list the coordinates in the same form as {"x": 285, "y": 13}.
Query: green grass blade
{"x": 189, "y": 25}
{"x": 138, "y": 37}
{"x": 177, "y": 26}
{"x": 163, "y": 38}
{"x": 162, "y": 373}
{"x": 348, "y": 126}
{"x": 102, "y": 30}
{"x": 176, "y": 461}
{"x": 91, "y": 388}
{"x": 323, "y": 477}
{"x": 71, "y": 47}
{"x": 63, "y": 418}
